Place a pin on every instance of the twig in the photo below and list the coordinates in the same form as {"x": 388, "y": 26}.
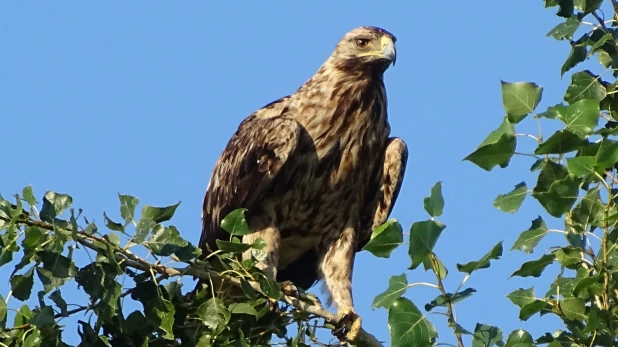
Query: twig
{"x": 600, "y": 20}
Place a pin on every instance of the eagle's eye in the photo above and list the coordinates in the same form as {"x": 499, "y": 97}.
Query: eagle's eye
{"x": 362, "y": 43}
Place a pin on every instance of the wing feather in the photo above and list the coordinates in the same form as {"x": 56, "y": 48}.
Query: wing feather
{"x": 249, "y": 166}
{"x": 384, "y": 189}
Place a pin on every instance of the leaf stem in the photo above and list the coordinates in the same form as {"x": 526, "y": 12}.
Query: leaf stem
{"x": 449, "y": 304}
{"x": 530, "y": 136}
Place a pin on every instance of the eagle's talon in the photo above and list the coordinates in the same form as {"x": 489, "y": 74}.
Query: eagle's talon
{"x": 348, "y": 326}
{"x": 273, "y": 305}
{"x": 288, "y": 288}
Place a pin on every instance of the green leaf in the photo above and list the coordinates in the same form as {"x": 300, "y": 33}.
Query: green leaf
{"x": 235, "y": 247}
{"x": 434, "y": 203}
{"x": 33, "y": 238}
{"x": 128, "y": 204}
{"x": 534, "y": 268}
{"x": 510, "y": 202}
{"x": 166, "y": 240}
{"x": 43, "y": 318}
{"x": 33, "y": 339}
{"x": 550, "y": 173}
{"x": 270, "y": 287}
{"x": 111, "y": 225}
{"x": 600, "y": 42}
{"x": 505, "y": 128}
{"x": 519, "y": 338}
{"x": 533, "y": 308}
{"x": 242, "y": 308}
{"x": 397, "y": 286}
{"x": 530, "y": 238}
{"x": 562, "y": 141}
{"x": 569, "y": 257}
{"x": 22, "y": 316}
{"x": 590, "y": 210}
{"x": 57, "y": 264}
{"x": 458, "y": 329}
{"x": 159, "y": 214}
{"x": 27, "y": 194}
{"x": 498, "y": 153}
{"x": 442, "y": 301}
{"x": 142, "y": 229}
{"x": 21, "y": 285}
{"x": 553, "y": 112}
{"x": 56, "y": 297}
{"x": 385, "y": 239}
{"x": 3, "y": 308}
{"x": 486, "y": 336}
{"x": 53, "y": 205}
{"x": 555, "y": 189}
{"x": 423, "y": 237}
{"x": 484, "y": 262}
{"x": 581, "y": 117}
{"x": 584, "y": 85}
{"x": 607, "y": 154}
{"x": 577, "y": 55}
{"x": 520, "y": 99}
{"x": 588, "y": 286}
{"x": 235, "y": 222}
{"x": 214, "y": 314}
{"x": 565, "y": 30}
{"x": 522, "y": 297}
{"x": 161, "y": 312}
{"x": 596, "y": 318}
{"x": 587, "y": 6}
{"x": 50, "y": 282}
{"x": 561, "y": 196}
{"x": 582, "y": 166}
{"x": 188, "y": 252}
{"x": 428, "y": 265}
{"x": 408, "y": 326}
{"x": 259, "y": 243}
{"x": 574, "y": 308}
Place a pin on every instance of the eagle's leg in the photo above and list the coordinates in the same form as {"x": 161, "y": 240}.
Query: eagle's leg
{"x": 270, "y": 234}
{"x": 336, "y": 268}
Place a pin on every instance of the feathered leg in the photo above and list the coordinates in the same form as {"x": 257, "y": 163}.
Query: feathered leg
{"x": 337, "y": 264}
{"x": 336, "y": 267}
{"x": 271, "y": 236}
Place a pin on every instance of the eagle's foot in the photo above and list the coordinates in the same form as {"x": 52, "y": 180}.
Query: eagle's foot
{"x": 349, "y": 325}
{"x": 288, "y": 288}
{"x": 273, "y": 305}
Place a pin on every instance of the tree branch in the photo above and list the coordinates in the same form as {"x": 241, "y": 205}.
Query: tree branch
{"x": 129, "y": 259}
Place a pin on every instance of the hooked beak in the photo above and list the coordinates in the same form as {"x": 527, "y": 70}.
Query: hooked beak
{"x": 388, "y": 49}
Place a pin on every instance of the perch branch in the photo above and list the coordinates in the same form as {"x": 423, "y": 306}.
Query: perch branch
{"x": 129, "y": 259}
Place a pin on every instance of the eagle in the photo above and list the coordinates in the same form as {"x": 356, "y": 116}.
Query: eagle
{"x": 316, "y": 171}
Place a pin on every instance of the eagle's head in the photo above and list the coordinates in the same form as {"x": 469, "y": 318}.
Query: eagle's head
{"x": 369, "y": 47}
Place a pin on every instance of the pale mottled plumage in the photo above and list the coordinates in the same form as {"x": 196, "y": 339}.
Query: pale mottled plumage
{"x": 316, "y": 170}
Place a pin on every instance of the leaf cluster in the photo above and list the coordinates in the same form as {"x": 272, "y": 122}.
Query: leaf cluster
{"x": 234, "y": 303}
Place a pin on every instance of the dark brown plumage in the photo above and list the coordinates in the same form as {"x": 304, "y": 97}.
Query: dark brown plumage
{"x": 316, "y": 170}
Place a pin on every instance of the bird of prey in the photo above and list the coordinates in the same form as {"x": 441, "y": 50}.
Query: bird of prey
{"x": 316, "y": 170}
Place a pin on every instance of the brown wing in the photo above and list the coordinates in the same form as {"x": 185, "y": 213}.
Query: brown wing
{"x": 385, "y": 189}
{"x": 248, "y": 167}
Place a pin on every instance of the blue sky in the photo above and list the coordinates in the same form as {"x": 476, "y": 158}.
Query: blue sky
{"x": 141, "y": 97}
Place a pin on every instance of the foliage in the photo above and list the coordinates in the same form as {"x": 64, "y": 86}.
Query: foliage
{"x": 133, "y": 273}
{"x": 575, "y": 169}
